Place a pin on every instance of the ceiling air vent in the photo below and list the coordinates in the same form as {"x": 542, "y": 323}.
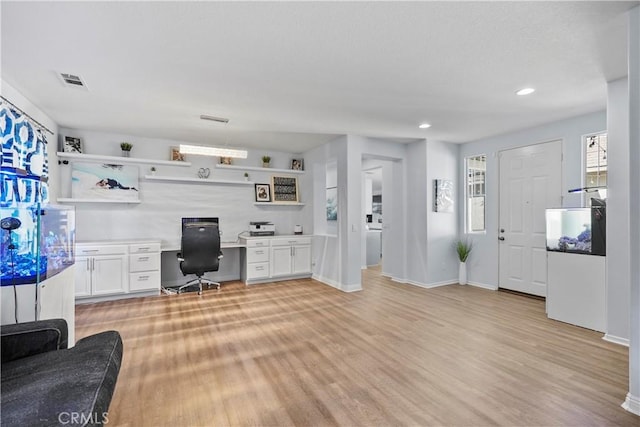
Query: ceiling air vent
{"x": 71, "y": 80}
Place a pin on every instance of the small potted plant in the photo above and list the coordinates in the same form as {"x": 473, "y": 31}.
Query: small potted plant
{"x": 463, "y": 248}
{"x": 265, "y": 161}
{"x": 246, "y": 176}
{"x": 126, "y": 148}
{"x": 152, "y": 170}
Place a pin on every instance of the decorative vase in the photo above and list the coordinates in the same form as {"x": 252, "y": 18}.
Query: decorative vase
{"x": 125, "y": 153}
{"x": 462, "y": 273}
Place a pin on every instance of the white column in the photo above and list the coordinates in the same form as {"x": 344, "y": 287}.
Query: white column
{"x": 632, "y": 402}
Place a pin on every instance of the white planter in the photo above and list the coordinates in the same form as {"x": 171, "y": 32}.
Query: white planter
{"x": 462, "y": 273}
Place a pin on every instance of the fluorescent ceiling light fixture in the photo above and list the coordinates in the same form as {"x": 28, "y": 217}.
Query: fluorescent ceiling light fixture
{"x": 424, "y": 126}
{"x": 212, "y": 151}
{"x": 525, "y": 91}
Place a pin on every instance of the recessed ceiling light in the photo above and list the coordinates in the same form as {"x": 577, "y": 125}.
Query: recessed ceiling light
{"x": 424, "y": 126}
{"x": 525, "y": 91}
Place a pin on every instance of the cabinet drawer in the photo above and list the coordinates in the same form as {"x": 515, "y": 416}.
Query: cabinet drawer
{"x": 258, "y": 243}
{"x": 257, "y": 254}
{"x": 291, "y": 241}
{"x": 144, "y": 262}
{"x": 91, "y": 250}
{"x": 149, "y": 280}
{"x": 141, "y": 248}
{"x": 257, "y": 270}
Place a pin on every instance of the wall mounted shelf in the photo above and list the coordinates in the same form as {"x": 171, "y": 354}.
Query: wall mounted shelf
{"x": 277, "y": 204}
{"x": 119, "y": 160}
{"x": 196, "y": 180}
{"x": 258, "y": 169}
{"x": 70, "y": 200}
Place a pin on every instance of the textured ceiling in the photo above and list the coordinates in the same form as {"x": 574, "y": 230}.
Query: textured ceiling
{"x": 291, "y": 76}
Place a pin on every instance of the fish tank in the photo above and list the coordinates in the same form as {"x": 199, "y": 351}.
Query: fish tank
{"x": 577, "y": 230}
{"x": 38, "y": 242}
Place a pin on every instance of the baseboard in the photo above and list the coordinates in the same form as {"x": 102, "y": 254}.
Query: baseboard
{"x": 632, "y": 404}
{"x": 429, "y": 285}
{"x": 334, "y": 284}
{"x": 483, "y": 286}
{"x": 616, "y": 340}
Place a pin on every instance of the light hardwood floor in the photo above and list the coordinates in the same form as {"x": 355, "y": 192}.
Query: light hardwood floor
{"x": 302, "y": 353}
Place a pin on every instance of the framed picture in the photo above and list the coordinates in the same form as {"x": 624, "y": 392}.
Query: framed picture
{"x": 443, "y": 200}
{"x": 225, "y": 160}
{"x": 263, "y": 192}
{"x": 176, "y": 155}
{"x": 71, "y": 144}
{"x": 332, "y": 204}
{"x": 106, "y": 182}
{"x": 285, "y": 189}
{"x": 297, "y": 164}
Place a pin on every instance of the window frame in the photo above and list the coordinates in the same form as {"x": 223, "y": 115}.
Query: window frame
{"x": 468, "y": 185}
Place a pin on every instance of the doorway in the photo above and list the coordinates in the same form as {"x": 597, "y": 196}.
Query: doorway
{"x": 373, "y": 217}
{"x": 530, "y": 182}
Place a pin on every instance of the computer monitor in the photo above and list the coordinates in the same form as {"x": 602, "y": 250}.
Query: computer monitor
{"x": 199, "y": 219}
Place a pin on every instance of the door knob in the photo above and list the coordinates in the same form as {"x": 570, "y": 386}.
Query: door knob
{"x": 500, "y": 238}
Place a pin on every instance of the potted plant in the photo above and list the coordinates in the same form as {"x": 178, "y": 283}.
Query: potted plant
{"x": 265, "y": 161}
{"x": 463, "y": 248}
{"x": 246, "y": 176}
{"x": 153, "y": 170}
{"x": 126, "y": 148}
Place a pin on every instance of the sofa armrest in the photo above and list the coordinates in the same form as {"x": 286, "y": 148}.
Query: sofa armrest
{"x": 26, "y": 339}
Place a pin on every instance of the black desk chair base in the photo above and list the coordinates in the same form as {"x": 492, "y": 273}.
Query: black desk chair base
{"x": 199, "y": 281}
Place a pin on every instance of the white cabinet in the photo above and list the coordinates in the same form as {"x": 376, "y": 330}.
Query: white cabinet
{"x": 276, "y": 258}
{"x": 100, "y": 270}
{"x": 115, "y": 269}
{"x": 576, "y": 289}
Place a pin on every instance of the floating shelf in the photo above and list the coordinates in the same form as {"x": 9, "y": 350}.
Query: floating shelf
{"x": 118, "y": 160}
{"x": 70, "y": 200}
{"x": 196, "y": 180}
{"x": 258, "y": 169}
{"x": 277, "y": 204}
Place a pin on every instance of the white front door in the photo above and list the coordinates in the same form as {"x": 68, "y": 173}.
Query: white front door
{"x": 530, "y": 182}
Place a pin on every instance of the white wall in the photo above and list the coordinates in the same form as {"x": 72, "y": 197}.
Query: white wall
{"x": 442, "y": 263}
{"x": 483, "y": 265}
{"x": 618, "y": 238}
{"x": 164, "y": 203}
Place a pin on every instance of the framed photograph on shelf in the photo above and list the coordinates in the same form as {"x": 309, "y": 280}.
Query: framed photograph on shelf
{"x": 226, "y": 160}
{"x": 71, "y": 144}
{"x": 263, "y": 193}
{"x": 285, "y": 189}
{"x": 297, "y": 164}
{"x": 176, "y": 155}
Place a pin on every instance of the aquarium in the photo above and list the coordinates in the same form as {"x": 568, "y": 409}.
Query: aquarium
{"x": 38, "y": 242}
{"x": 577, "y": 230}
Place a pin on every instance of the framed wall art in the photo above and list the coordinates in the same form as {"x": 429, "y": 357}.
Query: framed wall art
{"x": 285, "y": 189}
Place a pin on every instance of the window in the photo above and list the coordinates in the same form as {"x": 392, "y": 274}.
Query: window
{"x": 595, "y": 148}
{"x": 475, "y": 190}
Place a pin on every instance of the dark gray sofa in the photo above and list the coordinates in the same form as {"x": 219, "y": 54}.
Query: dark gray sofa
{"x": 45, "y": 384}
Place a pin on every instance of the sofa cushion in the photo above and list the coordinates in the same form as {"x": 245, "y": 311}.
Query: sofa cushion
{"x": 72, "y": 386}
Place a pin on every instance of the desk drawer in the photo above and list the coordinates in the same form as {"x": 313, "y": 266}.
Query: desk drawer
{"x": 146, "y": 281}
{"x": 257, "y": 270}
{"x": 92, "y": 250}
{"x": 257, "y": 243}
{"x": 141, "y": 248}
{"x": 291, "y": 241}
{"x": 144, "y": 262}
{"x": 257, "y": 254}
